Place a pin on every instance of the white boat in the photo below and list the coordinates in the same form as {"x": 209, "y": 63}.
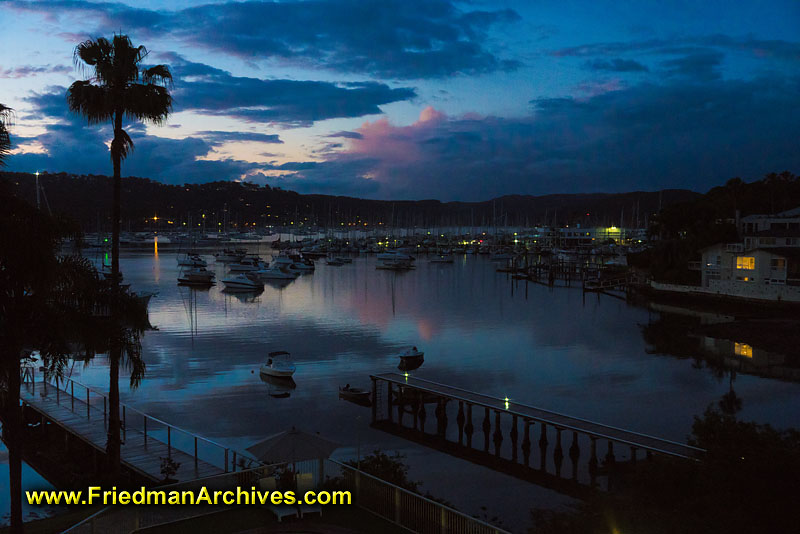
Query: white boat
{"x": 248, "y": 264}
{"x": 196, "y": 276}
{"x": 191, "y": 260}
{"x": 276, "y": 271}
{"x": 247, "y": 281}
{"x": 279, "y": 364}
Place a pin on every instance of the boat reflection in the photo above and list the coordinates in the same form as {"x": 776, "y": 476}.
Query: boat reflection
{"x": 278, "y": 387}
{"x": 277, "y": 283}
{"x": 244, "y": 295}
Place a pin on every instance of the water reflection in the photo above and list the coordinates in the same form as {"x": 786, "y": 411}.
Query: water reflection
{"x": 480, "y": 330}
{"x": 278, "y": 387}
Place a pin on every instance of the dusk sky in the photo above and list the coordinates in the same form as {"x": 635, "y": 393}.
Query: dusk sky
{"x": 414, "y": 99}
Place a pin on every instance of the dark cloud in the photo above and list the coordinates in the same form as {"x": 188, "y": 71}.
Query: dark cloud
{"x": 402, "y": 39}
{"x": 203, "y": 88}
{"x": 346, "y": 134}
{"x": 25, "y": 71}
{"x": 701, "y": 65}
{"x": 644, "y": 137}
{"x": 615, "y": 65}
{"x": 216, "y": 136}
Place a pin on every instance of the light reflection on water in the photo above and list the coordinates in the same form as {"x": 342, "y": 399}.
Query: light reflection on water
{"x": 551, "y": 348}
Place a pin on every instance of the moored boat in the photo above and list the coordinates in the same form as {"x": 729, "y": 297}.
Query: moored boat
{"x": 279, "y": 364}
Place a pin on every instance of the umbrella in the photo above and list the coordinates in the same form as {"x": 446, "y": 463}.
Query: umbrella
{"x": 292, "y": 446}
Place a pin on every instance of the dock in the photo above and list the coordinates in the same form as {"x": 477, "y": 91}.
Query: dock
{"x": 81, "y": 413}
{"x": 508, "y": 426}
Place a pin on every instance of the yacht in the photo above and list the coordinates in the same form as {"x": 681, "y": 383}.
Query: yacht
{"x": 247, "y": 265}
{"x": 395, "y": 255}
{"x": 247, "y": 281}
{"x": 196, "y": 276}
{"x": 230, "y": 255}
{"x": 191, "y": 259}
{"x": 279, "y": 364}
{"x": 276, "y": 271}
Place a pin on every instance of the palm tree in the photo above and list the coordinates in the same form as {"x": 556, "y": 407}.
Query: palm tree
{"x": 118, "y": 88}
{"x": 5, "y": 139}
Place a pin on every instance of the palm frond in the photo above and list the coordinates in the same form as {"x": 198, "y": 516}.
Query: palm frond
{"x": 92, "y": 101}
{"x": 122, "y": 143}
{"x": 6, "y": 115}
{"x": 149, "y": 102}
{"x": 157, "y": 75}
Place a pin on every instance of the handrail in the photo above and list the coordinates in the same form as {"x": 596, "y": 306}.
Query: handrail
{"x": 400, "y": 380}
{"x": 53, "y": 381}
{"x": 361, "y": 473}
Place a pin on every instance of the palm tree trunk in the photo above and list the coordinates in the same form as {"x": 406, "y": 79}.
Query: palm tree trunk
{"x": 12, "y": 426}
{"x": 113, "y": 442}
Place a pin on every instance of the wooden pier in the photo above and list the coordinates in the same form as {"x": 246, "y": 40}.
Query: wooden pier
{"x": 81, "y": 413}
{"x": 507, "y": 425}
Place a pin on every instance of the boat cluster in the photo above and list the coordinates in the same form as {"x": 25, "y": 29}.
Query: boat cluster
{"x": 245, "y": 271}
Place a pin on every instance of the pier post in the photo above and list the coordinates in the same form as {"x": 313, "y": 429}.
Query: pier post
{"x": 487, "y": 427}
{"x": 422, "y": 415}
{"x": 543, "y": 448}
{"x": 468, "y": 428}
{"x": 498, "y": 434}
{"x": 415, "y": 408}
{"x": 389, "y": 406}
{"x": 558, "y": 453}
{"x": 574, "y": 455}
{"x": 633, "y": 454}
{"x": 514, "y": 434}
{"x": 375, "y": 400}
{"x": 526, "y": 443}
{"x": 593, "y": 460}
{"x": 610, "y": 459}
{"x": 460, "y": 422}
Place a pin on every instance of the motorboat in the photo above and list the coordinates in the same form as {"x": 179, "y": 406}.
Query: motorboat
{"x": 409, "y": 364}
{"x": 196, "y": 276}
{"x": 279, "y": 364}
{"x": 230, "y": 255}
{"x": 191, "y": 259}
{"x": 245, "y": 281}
{"x": 297, "y": 265}
{"x": 303, "y": 266}
{"x": 247, "y": 265}
{"x": 356, "y": 395}
{"x": 395, "y": 256}
{"x": 275, "y": 271}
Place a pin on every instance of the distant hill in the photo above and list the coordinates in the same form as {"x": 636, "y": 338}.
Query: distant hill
{"x": 86, "y": 198}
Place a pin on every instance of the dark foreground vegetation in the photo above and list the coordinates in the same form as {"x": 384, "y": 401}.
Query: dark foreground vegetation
{"x": 746, "y": 483}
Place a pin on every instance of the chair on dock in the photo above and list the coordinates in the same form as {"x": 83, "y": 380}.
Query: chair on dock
{"x": 305, "y": 482}
{"x": 280, "y": 511}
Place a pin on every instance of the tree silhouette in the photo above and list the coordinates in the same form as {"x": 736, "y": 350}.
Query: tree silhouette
{"x": 118, "y": 88}
{"x": 5, "y": 138}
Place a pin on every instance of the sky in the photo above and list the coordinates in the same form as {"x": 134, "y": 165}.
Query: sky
{"x": 420, "y": 99}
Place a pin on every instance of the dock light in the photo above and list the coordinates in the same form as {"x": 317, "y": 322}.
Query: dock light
{"x": 406, "y": 375}
{"x": 506, "y": 399}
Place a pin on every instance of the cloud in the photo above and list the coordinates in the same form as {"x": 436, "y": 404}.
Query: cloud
{"x": 648, "y": 136}
{"x": 702, "y": 65}
{"x": 213, "y": 91}
{"x": 215, "y": 136}
{"x": 346, "y": 134}
{"x": 401, "y": 39}
{"x": 615, "y": 65}
{"x": 25, "y": 71}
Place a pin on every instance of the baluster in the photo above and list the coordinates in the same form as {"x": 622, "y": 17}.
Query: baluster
{"x": 460, "y": 422}
{"x": 526, "y": 444}
{"x": 514, "y": 435}
{"x": 468, "y": 428}
{"x": 422, "y": 415}
{"x": 558, "y": 453}
{"x": 389, "y": 401}
{"x": 498, "y": 434}
{"x": 633, "y": 454}
{"x": 441, "y": 418}
{"x": 593, "y": 460}
{"x": 487, "y": 427}
{"x": 415, "y": 408}
{"x": 543, "y": 448}
{"x": 610, "y": 459}
{"x": 574, "y": 455}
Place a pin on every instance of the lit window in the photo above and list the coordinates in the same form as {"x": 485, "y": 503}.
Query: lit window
{"x": 746, "y": 262}
{"x": 743, "y": 349}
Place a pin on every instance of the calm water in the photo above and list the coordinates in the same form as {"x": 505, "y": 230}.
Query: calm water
{"x": 551, "y": 348}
